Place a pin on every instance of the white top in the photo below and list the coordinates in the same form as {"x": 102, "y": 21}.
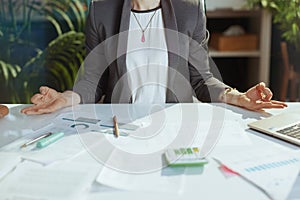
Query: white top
{"x": 147, "y": 62}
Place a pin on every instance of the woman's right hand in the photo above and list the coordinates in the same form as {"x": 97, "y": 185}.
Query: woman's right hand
{"x": 49, "y": 100}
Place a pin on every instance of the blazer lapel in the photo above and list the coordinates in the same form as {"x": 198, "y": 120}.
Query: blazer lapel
{"x": 172, "y": 38}
{"x": 123, "y": 38}
{"x": 169, "y": 16}
{"x": 122, "y": 91}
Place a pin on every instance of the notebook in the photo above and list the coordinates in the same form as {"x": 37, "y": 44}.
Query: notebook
{"x": 284, "y": 126}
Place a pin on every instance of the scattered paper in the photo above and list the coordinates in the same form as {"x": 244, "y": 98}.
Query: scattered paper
{"x": 8, "y": 161}
{"x": 142, "y": 150}
{"x": 136, "y": 162}
{"x": 133, "y": 195}
{"x": 147, "y": 182}
{"x": 37, "y": 182}
{"x": 273, "y": 171}
{"x": 65, "y": 148}
{"x": 223, "y": 133}
{"x": 233, "y": 134}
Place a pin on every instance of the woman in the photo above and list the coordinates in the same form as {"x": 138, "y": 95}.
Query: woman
{"x": 140, "y": 23}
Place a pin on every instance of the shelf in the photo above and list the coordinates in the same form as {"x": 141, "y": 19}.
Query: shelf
{"x": 252, "y": 66}
{"x": 229, "y": 13}
{"x": 234, "y": 54}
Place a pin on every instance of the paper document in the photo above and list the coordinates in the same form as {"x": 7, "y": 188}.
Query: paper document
{"x": 232, "y": 134}
{"x": 8, "y": 161}
{"x": 133, "y": 195}
{"x": 229, "y": 132}
{"x": 67, "y": 147}
{"x": 136, "y": 162}
{"x": 274, "y": 172}
{"x": 148, "y": 182}
{"x": 59, "y": 183}
{"x": 142, "y": 150}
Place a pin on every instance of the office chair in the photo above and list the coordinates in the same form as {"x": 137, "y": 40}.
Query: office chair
{"x": 289, "y": 75}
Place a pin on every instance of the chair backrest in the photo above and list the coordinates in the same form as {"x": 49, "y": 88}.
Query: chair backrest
{"x": 289, "y": 77}
{"x": 285, "y": 56}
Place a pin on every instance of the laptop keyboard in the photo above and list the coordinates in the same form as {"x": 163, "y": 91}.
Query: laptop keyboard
{"x": 292, "y": 131}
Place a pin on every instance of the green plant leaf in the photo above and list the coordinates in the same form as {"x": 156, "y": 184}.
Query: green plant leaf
{"x": 264, "y": 3}
{"x": 286, "y": 14}
{"x": 8, "y": 70}
{"x": 60, "y": 62}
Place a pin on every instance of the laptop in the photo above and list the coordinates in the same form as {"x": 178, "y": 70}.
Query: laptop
{"x": 284, "y": 126}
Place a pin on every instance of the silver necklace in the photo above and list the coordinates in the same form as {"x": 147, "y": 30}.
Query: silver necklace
{"x": 143, "y": 29}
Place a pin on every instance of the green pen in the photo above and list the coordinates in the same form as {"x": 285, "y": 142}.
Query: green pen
{"x": 49, "y": 140}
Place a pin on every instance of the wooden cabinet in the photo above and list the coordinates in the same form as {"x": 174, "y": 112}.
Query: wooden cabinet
{"x": 242, "y": 69}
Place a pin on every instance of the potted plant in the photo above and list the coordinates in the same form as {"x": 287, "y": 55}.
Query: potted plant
{"x": 286, "y": 17}
{"x": 57, "y": 64}
{"x": 286, "y": 14}
{"x": 15, "y": 27}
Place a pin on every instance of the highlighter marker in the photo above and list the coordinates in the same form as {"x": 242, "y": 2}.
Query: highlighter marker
{"x": 49, "y": 140}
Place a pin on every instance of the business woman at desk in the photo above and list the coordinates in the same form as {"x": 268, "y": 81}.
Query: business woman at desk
{"x": 151, "y": 67}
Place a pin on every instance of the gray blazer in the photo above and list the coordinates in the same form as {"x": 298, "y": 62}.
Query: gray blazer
{"x": 104, "y": 71}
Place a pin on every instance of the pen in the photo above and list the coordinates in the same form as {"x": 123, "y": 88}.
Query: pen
{"x": 116, "y": 132}
{"x": 35, "y": 139}
{"x": 73, "y": 120}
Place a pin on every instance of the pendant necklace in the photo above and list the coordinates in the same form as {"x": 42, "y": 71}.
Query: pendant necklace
{"x": 143, "y": 29}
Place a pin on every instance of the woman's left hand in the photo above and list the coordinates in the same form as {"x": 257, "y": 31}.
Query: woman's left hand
{"x": 259, "y": 97}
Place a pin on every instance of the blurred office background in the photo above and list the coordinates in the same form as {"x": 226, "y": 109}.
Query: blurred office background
{"x": 42, "y": 43}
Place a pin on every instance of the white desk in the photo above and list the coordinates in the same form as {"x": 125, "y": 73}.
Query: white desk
{"x": 211, "y": 184}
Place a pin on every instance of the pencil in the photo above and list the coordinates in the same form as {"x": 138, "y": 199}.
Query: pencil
{"x": 36, "y": 139}
{"x": 116, "y": 131}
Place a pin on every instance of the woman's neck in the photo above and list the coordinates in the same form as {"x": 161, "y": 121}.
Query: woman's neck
{"x": 144, "y": 4}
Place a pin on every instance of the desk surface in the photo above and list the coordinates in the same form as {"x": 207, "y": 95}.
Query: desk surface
{"x": 212, "y": 184}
